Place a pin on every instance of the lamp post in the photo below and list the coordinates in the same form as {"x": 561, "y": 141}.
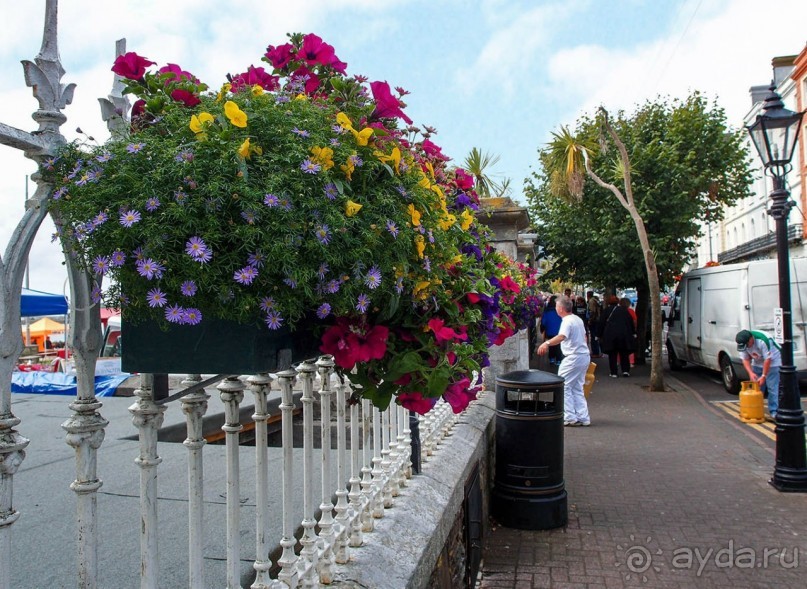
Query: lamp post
{"x": 774, "y": 134}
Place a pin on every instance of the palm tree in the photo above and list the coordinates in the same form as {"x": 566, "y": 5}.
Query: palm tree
{"x": 567, "y": 162}
{"x": 477, "y": 164}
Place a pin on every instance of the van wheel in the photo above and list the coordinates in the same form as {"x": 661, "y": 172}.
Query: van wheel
{"x": 730, "y": 380}
{"x": 673, "y": 360}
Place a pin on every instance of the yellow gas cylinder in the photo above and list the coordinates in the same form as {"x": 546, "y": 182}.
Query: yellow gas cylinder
{"x": 589, "y": 383}
{"x": 751, "y": 405}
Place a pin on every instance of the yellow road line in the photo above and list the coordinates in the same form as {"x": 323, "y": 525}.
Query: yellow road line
{"x": 732, "y": 408}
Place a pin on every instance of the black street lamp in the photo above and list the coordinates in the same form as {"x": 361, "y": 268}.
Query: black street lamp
{"x": 774, "y": 134}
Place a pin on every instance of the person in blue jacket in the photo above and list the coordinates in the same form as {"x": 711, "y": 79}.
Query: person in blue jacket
{"x": 550, "y": 326}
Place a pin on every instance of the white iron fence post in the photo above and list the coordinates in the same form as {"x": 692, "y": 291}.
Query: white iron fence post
{"x": 232, "y": 393}
{"x": 288, "y": 559}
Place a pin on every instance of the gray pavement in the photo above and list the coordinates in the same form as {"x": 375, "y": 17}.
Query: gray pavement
{"x": 665, "y": 490}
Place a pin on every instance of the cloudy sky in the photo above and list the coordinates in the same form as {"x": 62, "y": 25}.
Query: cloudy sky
{"x": 500, "y": 75}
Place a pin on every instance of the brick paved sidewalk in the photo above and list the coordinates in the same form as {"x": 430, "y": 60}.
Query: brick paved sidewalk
{"x": 664, "y": 492}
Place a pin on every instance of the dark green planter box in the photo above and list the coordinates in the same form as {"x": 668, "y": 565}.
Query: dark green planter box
{"x": 215, "y": 346}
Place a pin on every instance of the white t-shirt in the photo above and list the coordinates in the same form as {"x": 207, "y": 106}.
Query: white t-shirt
{"x": 573, "y": 328}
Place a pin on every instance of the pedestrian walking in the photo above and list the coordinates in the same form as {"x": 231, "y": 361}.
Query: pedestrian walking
{"x": 550, "y": 326}
{"x": 762, "y": 358}
{"x": 594, "y": 312}
{"x": 618, "y": 337}
{"x": 576, "y": 359}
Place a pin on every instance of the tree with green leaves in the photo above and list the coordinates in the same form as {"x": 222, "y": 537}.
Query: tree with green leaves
{"x": 478, "y": 164}
{"x": 677, "y": 163}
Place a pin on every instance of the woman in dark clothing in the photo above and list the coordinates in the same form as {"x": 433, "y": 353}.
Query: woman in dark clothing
{"x": 618, "y": 336}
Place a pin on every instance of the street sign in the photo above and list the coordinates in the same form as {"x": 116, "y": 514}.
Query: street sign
{"x": 778, "y": 326}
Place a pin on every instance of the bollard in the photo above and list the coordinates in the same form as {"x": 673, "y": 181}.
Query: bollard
{"x": 751, "y": 406}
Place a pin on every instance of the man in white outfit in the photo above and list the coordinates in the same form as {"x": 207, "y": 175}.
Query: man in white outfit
{"x": 573, "y": 367}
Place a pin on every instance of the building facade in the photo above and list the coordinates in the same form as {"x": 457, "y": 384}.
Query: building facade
{"x": 746, "y": 231}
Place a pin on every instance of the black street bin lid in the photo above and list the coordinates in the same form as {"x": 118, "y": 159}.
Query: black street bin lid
{"x": 536, "y": 378}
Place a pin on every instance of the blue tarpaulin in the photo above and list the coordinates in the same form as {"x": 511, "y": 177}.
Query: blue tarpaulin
{"x": 59, "y": 383}
{"x": 35, "y": 303}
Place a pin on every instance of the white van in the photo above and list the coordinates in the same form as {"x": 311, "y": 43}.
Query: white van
{"x": 112, "y": 341}
{"x": 712, "y": 304}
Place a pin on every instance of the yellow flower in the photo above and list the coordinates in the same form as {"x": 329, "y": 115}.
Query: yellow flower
{"x": 225, "y": 88}
{"x": 467, "y": 219}
{"x": 430, "y": 168}
{"x": 446, "y": 221}
{"x": 363, "y": 136}
{"x": 351, "y": 208}
{"x": 425, "y": 183}
{"x": 420, "y": 245}
{"x": 236, "y": 116}
{"x": 348, "y": 168}
{"x": 301, "y": 97}
{"x": 343, "y": 121}
{"x": 257, "y": 90}
{"x": 323, "y": 156}
{"x": 244, "y": 150}
{"x": 198, "y": 122}
{"x": 416, "y": 292}
{"x": 415, "y": 214}
{"x": 394, "y": 157}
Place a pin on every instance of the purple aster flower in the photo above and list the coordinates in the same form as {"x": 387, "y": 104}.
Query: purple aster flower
{"x": 57, "y": 194}
{"x": 332, "y": 286}
{"x": 392, "y": 228}
{"x": 362, "y": 303}
{"x": 431, "y": 236}
{"x": 310, "y": 167}
{"x": 100, "y": 265}
{"x": 174, "y": 313}
{"x": 273, "y": 320}
{"x": 271, "y": 200}
{"x": 357, "y": 161}
{"x": 100, "y": 218}
{"x": 152, "y": 204}
{"x": 291, "y": 283}
{"x": 331, "y": 191}
{"x": 301, "y": 133}
{"x": 180, "y": 197}
{"x": 399, "y": 285}
{"x": 138, "y": 253}
{"x": 188, "y": 288}
{"x": 192, "y": 317}
{"x": 135, "y": 147}
{"x": 285, "y": 203}
{"x": 196, "y": 247}
{"x": 267, "y": 304}
{"x": 129, "y": 218}
{"x": 338, "y": 129}
{"x": 85, "y": 177}
{"x": 104, "y": 157}
{"x": 117, "y": 259}
{"x": 249, "y": 217}
{"x": 156, "y": 298}
{"x": 402, "y": 191}
{"x": 373, "y": 278}
{"x": 323, "y": 270}
{"x": 323, "y": 234}
{"x": 335, "y": 142}
{"x": 184, "y": 156}
{"x": 256, "y": 259}
{"x": 245, "y": 275}
{"x": 324, "y": 310}
{"x": 149, "y": 268}
{"x": 49, "y": 163}
{"x": 427, "y": 264}
{"x": 95, "y": 294}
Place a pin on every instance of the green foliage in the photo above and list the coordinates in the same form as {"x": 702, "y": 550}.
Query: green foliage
{"x": 685, "y": 165}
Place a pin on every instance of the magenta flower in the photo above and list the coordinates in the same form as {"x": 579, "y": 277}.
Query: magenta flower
{"x": 324, "y": 310}
{"x": 273, "y": 320}
{"x": 186, "y": 97}
{"x": 386, "y": 105}
{"x": 156, "y": 298}
{"x": 129, "y": 218}
{"x": 280, "y": 56}
{"x": 255, "y": 76}
{"x": 245, "y": 275}
{"x": 131, "y": 65}
{"x": 173, "y": 73}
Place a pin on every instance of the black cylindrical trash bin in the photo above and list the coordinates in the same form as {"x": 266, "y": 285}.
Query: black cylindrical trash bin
{"x": 528, "y": 491}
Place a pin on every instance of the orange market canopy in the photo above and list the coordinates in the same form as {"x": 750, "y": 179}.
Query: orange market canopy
{"x": 45, "y": 326}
